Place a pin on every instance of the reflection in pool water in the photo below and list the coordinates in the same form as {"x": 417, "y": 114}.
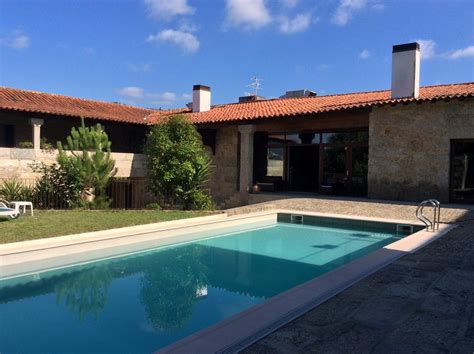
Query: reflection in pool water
{"x": 144, "y": 302}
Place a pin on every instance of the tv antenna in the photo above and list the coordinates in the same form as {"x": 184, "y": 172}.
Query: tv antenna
{"x": 256, "y": 85}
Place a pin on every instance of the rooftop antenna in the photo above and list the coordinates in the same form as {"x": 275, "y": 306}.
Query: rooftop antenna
{"x": 256, "y": 84}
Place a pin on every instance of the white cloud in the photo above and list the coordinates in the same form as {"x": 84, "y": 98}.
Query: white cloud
{"x": 187, "y": 26}
{"x": 297, "y": 24}
{"x": 462, "y": 53}
{"x": 167, "y": 9}
{"x": 186, "y": 41}
{"x": 131, "y": 92}
{"x": 251, "y": 14}
{"x": 186, "y": 97}
{"x": 163, "y": 99}
{"x": 134, "y": 95}
{"x": 17, "y": 40}
{"x": 365, "y": 54}
{"x": 427, "y": 48}
{"x": 346, "y": 10}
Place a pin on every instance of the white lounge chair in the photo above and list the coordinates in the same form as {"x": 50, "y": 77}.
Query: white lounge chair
{"x": 8, "y": 212}
{"x": 19, "y": 207}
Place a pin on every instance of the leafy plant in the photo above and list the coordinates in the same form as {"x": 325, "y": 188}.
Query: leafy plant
{"x": 87, "y": 155}
{"x": 14, "y": 190}
{"x": 45, "y": 145}
{"x": 25, "y": 145}
{"x": 153, "y": 206}
{"x": 56, "y": 188}
{"x": 178, "y": 165}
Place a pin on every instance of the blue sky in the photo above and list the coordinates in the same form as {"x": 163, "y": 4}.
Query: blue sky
{"x": 151, "y": 52}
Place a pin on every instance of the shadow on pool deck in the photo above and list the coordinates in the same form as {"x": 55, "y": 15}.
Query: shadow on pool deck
{"x": 423, "y": 302}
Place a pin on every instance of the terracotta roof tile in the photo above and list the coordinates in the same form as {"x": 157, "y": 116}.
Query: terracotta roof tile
{"x": 309, "y": 105}
{"x": 31, "y": 101}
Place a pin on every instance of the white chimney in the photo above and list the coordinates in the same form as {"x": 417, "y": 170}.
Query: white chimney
{"x": 406, "y": 70}
{"x": 201, "y": 98}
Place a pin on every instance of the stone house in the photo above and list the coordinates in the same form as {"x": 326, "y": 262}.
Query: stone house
{"x": 407, "y": 143}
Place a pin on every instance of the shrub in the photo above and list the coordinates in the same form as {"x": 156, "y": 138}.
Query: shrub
{"x": 178, "y": 165}
{"x": 14, "y": 190}
{"x": 197, "y": 199}
{"x": 153, "y": 206}
{"x": 45, "y": 145}
{"x": 56, "y": 188}
{"x": 25, "y": 145}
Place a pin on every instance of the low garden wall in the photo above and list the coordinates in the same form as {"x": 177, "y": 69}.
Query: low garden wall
{"x": 17, "y": 163}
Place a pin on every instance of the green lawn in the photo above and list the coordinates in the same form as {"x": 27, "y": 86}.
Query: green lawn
{"x": 66, "y": 222}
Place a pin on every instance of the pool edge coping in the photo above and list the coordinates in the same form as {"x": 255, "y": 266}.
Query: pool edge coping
{"x": 109, "y": 234}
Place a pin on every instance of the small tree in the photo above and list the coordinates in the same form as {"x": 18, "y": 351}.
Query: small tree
{"x": 177, "y": 164}
{"x": 87, "y": 155}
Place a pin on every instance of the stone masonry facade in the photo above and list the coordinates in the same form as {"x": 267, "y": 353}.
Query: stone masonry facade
{"x": 225, "y": 164}
{"x": 409, "y": 148}
{"x": 17, "y": 163}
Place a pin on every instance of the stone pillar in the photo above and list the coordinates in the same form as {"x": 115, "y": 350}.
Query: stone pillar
{"x": 246, "y": 157}
{"x": 36, "y": 124}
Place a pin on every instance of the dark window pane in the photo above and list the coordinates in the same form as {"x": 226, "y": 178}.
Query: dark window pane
{"x": 360, "y": 137}
{"x": 335, "y": 138}
{"x": 334, "y": 165}
{"x": 360, "y": 161}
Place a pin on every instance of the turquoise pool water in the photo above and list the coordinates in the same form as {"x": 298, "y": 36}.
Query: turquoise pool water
{"x": 143, "y": 302}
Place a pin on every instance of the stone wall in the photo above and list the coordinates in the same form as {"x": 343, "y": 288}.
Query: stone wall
{"x": 409, "y": 148}
{"x": 224, "y": 179}
{"x": 223, "y": 182}
{"x": 17, "y": 163}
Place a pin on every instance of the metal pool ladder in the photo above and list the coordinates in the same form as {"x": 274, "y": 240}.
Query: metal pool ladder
{"x": 431, "y": 225}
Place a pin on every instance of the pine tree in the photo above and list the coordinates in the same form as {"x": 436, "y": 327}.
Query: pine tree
{"x": 87, "y": 155}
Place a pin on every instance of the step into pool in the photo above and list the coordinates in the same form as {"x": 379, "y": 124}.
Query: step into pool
{"x": 147, "y": 300}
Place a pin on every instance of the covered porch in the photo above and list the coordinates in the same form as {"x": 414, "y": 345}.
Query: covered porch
{"x": 39, "y": 131}
{"x": 324, "y": 154}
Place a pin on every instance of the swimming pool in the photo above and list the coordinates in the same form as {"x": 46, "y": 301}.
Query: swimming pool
{"x": 147, "y": 300}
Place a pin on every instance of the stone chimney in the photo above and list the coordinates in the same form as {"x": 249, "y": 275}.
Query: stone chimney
{"x": 406, "y": 70}
{"x": 201, "y": 98}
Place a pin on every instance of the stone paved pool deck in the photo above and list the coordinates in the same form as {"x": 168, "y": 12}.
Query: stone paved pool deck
{"x": 422, "y": 303}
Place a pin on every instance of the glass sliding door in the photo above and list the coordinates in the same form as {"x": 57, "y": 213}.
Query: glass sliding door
{"x": 360, "y": 162}
{"x": 345, "y": 158}
{"x": 311, "y": 161}
{"x": 335, "y": 170}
